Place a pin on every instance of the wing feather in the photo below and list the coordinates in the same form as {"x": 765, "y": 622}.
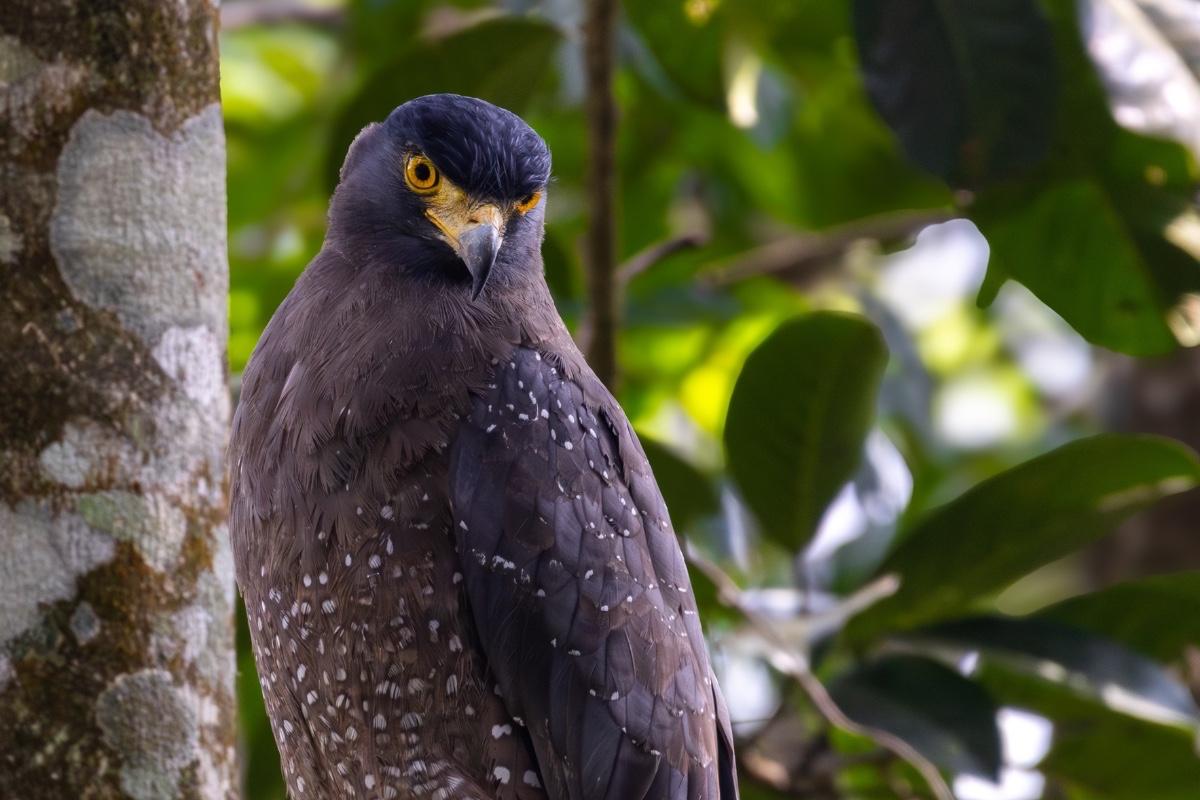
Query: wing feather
{"x": 580, "y": 592}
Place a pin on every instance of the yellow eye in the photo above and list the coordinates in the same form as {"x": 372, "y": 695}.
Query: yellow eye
{"x": 528, "y": 203}
{"x": 421, "y": 175}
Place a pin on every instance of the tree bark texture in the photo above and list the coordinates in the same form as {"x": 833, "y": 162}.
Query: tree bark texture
{"x": 116, "y": 594}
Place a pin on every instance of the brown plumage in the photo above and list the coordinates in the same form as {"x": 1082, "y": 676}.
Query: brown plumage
{"x": 460, "y": 576}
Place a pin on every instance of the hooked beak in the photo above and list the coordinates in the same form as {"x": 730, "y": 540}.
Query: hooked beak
{"x": 477, "y": 239}
{"x": 477, "y": 247}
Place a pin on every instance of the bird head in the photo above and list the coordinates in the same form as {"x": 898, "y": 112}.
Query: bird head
{"x": 450, "y": 187}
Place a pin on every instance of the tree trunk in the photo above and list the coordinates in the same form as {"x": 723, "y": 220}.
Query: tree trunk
{"x": 599, "y": 332}
{"x": 116, "y": 595}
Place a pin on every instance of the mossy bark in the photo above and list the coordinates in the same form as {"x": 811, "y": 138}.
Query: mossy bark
{"x": 116, "y": 594}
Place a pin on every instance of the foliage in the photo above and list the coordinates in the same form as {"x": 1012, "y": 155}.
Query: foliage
{"x": 798, "y": 416}
{"x": 780, "y": 385}
{"x": 989, "y": 69}
{"x": 1021, "y": 519}
{"x": 953, "y": 718}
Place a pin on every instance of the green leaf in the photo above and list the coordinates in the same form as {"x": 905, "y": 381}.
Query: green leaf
{"x": 1090, "y": 665}
{"x": 376, "y": 29}
{"x": 683, "y": 40}
{"x": 502, "y": 60}
{"x": 1073, "y": 249}
{"x": 1158, "y": 616}
{"x": 1108, "y": 755}
{"x": 800, "y": 410}
{"x": 945, "y": 717}
{"x": 969, "y": 87}
{"x": 1087, "y": 234}
{"x": 797, "y": 34}
{"x": 1019, "y": 520}
{"x": 689, "y": 493}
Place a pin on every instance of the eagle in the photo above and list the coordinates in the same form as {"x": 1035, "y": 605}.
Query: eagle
{"x": 460, "y": 576}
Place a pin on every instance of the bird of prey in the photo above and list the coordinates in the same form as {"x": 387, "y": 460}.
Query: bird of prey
{"x": 460, "y": 576}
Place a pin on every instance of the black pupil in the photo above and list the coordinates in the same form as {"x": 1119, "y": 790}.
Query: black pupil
{"x": 422, "y": 172}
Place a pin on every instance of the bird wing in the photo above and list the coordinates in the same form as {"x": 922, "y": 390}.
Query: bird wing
{"x": 580, "y": 592}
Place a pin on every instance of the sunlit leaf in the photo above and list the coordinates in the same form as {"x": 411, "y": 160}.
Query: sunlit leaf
{"x": 1098, "y": 753}
{"x": 1090, "y": 665}
{"x": 1021, "y": 519}
{"x": 800, "y": 411}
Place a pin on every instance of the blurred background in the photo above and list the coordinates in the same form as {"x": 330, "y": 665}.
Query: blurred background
{"x": 954, "y": 245}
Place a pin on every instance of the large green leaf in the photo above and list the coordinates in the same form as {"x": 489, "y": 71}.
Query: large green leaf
{"x": 1104, "y": 754}
{"x": 503, "y": 60}
{"x": 1021, "y": 519}
{"x": 1073, "y": 249}
{"x": 1091, "y": 665}
{"x": 1087, "y": 234}
{"x": 945, "y": 717}
{"x": 798, "y": 416}
{"x": 968, "y": 86}
{"x": 1158, "y": 616}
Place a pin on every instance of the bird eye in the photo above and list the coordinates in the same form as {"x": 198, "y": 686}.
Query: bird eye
{"x": 527, "y": 204}
{"x": 421, "y": 175}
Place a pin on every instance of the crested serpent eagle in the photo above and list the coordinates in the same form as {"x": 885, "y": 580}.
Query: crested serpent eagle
{"x": 460, "y": 576}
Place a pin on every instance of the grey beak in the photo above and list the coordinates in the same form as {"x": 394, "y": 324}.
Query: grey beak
{"x": 478, "y": 248}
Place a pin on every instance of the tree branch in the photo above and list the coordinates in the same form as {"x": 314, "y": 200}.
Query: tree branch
{"x": 247, "y": 13}
{"x": 660, "y": 251}
{"x": 795, "y": 664}
{"x": 804, "y": 257}
{"x": 599, "y": 333}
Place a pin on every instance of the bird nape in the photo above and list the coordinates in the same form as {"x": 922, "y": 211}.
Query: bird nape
{"x": 460, "y": 576}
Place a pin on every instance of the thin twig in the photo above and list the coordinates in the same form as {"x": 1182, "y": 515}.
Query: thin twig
{"x": 802, "y": 258}
{"x": 599, "y": 332}
{"x": 276, "y": 12}
{"x": 795, "y": 665}
{"x": 834, "y": 619}
{"x": 643, "y": 260}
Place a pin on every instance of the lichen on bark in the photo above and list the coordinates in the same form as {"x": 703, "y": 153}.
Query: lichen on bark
{"x": 116, "y": 594}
